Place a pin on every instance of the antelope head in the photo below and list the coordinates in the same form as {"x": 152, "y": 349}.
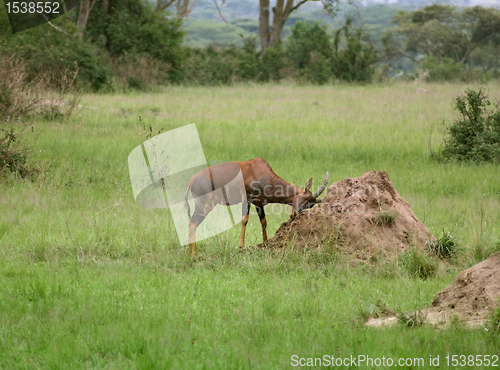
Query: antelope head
{"x": 306, "y": 199}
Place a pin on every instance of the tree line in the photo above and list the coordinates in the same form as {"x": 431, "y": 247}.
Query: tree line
{"x": 139, "y": 44}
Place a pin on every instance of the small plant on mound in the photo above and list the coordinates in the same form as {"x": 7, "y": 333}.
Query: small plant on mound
{"x": 417, "y": 264}
{"x": 475, "y": 136}
{"x": 386, "y": 218}
{"x": 445, "y": 247}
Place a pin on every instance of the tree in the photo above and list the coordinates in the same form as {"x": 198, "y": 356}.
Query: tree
{"x": 182, "y": 7}
{"x": 269, "y": 33}
{"x": 83, "y": 16}
{"x": 269, "y": 30}
{"x": 442, "y": 31}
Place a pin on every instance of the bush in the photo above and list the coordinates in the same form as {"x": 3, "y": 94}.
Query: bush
{"x": 21, "y": 98}
{"x": 310, "y": 50}
{"x": 16, "y": 101}
{"x": 140, "y": 71}
{"x": 273, "y": 62}
{"x": 353, "y": 59}
{"x": 223, "y": 65}
{"x": 135, "y": 27}
{"x": 317, "y": 58}
{"x": 43, "y": 50}
{"x": 475, "y": 136}
{"x": 213, "y": 65}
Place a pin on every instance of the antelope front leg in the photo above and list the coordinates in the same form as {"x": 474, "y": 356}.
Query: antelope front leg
{"x": 192, "y": 239}
{"x": 244, "y": 222}
{"x": 263, "y": 222}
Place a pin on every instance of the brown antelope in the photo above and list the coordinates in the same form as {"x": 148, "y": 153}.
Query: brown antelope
{"x": 261, "y": 186}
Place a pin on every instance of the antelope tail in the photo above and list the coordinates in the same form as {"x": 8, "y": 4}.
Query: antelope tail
{"x": 186, "y": 204}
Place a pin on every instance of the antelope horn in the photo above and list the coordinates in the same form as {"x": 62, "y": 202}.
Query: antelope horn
{"x": 322, "y": 187}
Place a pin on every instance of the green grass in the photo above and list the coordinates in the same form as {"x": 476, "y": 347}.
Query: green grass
{"x": 90, "y": 280}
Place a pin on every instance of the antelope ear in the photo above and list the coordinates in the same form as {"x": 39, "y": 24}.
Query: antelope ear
{"x": 308, "y": 185}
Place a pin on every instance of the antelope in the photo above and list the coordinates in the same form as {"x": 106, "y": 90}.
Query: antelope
{"x": 261, "y": 186}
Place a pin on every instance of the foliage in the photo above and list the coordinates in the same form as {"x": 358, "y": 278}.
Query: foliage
{"x": 51, "y": 96}
{"x": 445, "y": 70}
{"x": 451, "y": 39}
{"x": 44, "y": 49}
{"x": 219, "y": 65}
{"x": 355, "y": 62}
{"x": 134, "y": 27}
{"x": 418, "y": 264}
{"x": 316, "y": 57}
{"x": 17, "y": 100}
{"x": 475, "y": 136}
{"x": 140, "y": 72}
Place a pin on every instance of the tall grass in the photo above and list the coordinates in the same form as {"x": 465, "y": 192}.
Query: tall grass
{"x": 89, "y": 279}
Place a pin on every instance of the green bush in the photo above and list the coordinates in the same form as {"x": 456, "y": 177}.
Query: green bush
{"x": 309, "y": 50}
{"x": 135, "y": 27}
{"x": 273, "y": 62}
{"x": 317, "y": 57}
{"x": 210, "y": 66}
{"x": 445, "y": 70}
{"x": 44, "y": 49}
{"x": 353, "y": 60}
{"x": 475, "y": 136}
{"x": 223, "y": 65}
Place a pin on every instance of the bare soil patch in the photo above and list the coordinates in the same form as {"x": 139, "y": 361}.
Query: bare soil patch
{"x": 362, "y": 217}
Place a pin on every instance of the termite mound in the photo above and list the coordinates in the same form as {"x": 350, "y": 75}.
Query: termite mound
{"x": 363, "y": 217}
{"x": 471, "y": 298}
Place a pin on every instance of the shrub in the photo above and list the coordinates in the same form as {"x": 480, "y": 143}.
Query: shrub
{"x": 475, "y": 136}
{"x": 16, "y": 101}
{"x": 140, "y": 71}
{"x": 445, "y": 70}
{"x": 43, "y": 50}
{"x": 213, "y": 65}
{"x": 309, "y": 49}
{"x": 51, "y": 96}
{"x": 353, "y": 60}
{"x": 273, "y": 62}
{"x": 135, "y": 27}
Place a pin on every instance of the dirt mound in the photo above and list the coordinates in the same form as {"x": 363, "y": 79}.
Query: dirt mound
{"x": 471, "y": 297}
{"x": 364, "y": 217}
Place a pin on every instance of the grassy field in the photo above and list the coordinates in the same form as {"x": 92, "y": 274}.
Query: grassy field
{"x": 88, "y": 279}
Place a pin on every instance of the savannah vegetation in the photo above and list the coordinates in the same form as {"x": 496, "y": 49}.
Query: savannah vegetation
{"x": 90, "y": 279}
{"x": 140, "y": 44}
